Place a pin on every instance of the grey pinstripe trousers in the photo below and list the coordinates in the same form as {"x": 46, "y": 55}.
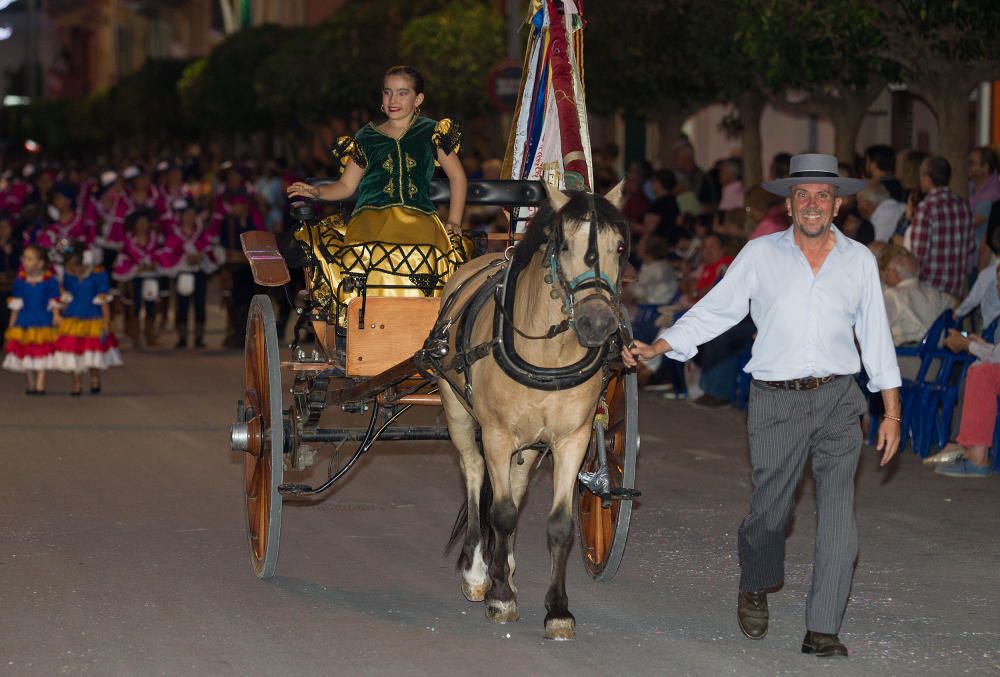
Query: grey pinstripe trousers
{"x": 786, "y": 427}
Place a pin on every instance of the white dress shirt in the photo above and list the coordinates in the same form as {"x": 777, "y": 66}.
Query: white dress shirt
{"x": 912, "y": 307}
{"x": 885, "y": 217}
{"x": 983, "y": 294}
{"x": 806, "y": 323}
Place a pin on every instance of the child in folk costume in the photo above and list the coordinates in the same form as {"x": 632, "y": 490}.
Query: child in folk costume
{"x": 137, "y": 268}
{"x": 192, "y": 255}
{"x": 34, "y": 305}
{"x": 85, "y": 342}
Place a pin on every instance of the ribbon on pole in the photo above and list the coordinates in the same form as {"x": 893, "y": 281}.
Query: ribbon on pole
{"x": 550, "y": 139}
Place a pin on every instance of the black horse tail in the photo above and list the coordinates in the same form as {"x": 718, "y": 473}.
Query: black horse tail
{"x": 458, "y": 532}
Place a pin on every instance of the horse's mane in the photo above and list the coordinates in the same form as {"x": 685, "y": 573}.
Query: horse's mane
{"x": 546, "y": 220}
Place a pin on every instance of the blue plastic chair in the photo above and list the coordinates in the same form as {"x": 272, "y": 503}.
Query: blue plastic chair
{"x": 929, "y": 351}
{"x": 940, "y": 398}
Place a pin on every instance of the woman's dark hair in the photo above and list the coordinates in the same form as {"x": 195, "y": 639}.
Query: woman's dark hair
{"x": 74, "y": 253}
{"x": 410, "y": 72}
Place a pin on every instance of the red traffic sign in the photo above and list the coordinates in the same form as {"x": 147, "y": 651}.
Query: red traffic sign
{"x": 503, "y": 85}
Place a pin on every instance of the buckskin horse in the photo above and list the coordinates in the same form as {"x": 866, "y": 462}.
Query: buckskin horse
{"x": 522, "y": 349}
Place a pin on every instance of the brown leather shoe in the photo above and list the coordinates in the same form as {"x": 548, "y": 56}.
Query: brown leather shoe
{"x": 823, "y": 645}
{"x": 751, "y": 612}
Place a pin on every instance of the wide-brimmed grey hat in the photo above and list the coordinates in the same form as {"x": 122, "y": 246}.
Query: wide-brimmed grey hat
{"x": 814, "y": 168}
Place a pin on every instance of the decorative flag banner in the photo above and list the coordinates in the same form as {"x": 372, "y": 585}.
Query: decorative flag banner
{"x": 550, "y": 140}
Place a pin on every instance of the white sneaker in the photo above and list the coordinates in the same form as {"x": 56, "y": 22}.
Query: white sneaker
{"x": 944, "y": 456}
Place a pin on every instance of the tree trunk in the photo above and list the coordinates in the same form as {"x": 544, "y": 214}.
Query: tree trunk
{"x": 751, "y": 106}
{"x": 950, "y": 102}
{"x": 669, "y": 125}
{"x": 847, "y": 115}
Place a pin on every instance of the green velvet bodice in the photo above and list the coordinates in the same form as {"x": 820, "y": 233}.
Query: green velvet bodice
{"x": 397, "y": 172}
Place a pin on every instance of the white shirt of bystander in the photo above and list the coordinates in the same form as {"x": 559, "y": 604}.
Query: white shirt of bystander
{"x": 912, "y": 307}
{"x": 983, "y": 294}
{"x": 885, "y": 218}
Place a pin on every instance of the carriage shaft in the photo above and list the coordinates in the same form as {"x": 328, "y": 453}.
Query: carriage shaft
{"x": 412, "y": 433}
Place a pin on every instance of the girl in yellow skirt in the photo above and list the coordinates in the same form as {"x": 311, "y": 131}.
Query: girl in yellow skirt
{"x": 34, "y": 305}
{"x": 391, "y": 164}
{"x": 85, "y": 341}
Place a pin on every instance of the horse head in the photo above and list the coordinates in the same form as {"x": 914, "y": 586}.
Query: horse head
{"x": 589, "y": 246}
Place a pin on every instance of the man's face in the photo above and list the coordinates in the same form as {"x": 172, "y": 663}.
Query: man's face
{"x": 977, "y": 170}
{"x": 711, "y": 250}
{"x": 812, "y": 207}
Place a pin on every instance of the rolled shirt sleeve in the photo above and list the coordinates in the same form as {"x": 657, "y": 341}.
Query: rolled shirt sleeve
{"x": 720, "y": 309}
{"x": 987, "y": 352}
{"x": 878, "y": 354}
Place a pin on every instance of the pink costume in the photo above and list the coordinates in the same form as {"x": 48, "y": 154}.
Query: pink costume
{"x": 134, "y": 256}
{"x": 179, "y": 245}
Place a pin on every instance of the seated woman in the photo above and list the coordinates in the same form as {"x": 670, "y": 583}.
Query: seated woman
{"x": 968, "y": 456}
{"x": 394, "y": 243}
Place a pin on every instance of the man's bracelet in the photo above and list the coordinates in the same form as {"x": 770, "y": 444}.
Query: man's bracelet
{"x": 897, "y": 419}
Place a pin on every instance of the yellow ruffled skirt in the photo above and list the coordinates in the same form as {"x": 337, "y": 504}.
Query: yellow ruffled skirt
{"x": 388, "y": 252}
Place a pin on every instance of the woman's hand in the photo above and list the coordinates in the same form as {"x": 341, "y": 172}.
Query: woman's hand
{"x": 957, "y": 343}
{"x": 301, "y": 189}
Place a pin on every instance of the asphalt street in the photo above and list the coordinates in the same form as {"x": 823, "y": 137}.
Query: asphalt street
{"x": 124, "y": 553}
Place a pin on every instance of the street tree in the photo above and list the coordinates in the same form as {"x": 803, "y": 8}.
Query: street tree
{"x": 944, "y": 49}
{"x": 816, "y": 57}
{"x": 652, "y": 59}
{"x": 439, "y": 45}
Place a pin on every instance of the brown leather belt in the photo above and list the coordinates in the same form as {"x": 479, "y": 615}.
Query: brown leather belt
{"x": 808, "y": 383}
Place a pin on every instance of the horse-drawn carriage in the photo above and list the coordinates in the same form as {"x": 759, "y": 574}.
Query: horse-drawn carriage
{"x": 379, "y": 356}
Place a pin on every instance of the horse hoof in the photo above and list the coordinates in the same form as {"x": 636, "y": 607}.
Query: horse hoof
{"x": 560, "y": 629}
{"x": 475, "y": 592}
{"x": 501, "y": 612}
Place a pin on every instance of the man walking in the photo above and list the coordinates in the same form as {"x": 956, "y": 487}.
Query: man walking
{"x": 811, "y": 291}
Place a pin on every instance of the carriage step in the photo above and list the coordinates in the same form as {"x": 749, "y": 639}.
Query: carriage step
{"x": 294, "y": 489}
{"x": 619, "y": 495}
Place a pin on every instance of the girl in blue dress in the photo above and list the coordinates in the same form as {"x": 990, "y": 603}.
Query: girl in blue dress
{"x": 85, "y": 341}
{"x": 34, "y": 305}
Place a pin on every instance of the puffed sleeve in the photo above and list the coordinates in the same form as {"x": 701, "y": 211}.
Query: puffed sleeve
{"x": 102, "y": 287}
{"x": 16, "y": 299}
{"x": 347, "y": 148}
{"x": 447, "y": 136}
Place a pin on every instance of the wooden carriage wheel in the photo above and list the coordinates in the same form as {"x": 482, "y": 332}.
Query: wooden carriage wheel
{"x": 262, "y": 460}
{"x": 604, "y": 530}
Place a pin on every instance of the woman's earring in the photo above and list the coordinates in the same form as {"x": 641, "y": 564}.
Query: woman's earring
{"x": 418, "y": 110}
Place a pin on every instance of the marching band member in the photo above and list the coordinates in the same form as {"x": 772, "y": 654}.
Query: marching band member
{"x": 137, "y": 268}
{"x": 192, "y": 255}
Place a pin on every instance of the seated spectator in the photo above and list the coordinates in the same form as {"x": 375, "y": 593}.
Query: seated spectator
{"x": 970, "y": 450}
{"x": 766, "y": 212}
{"x": 687, "y": 199}
{"x": 657, "y": 280}
{"x": 983, "y": 294}
{"x": 884, "y": 213}
{"x": 731, "y": 180}
{"x": 912, "y": 305}
{"x": 663, "y": 215}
